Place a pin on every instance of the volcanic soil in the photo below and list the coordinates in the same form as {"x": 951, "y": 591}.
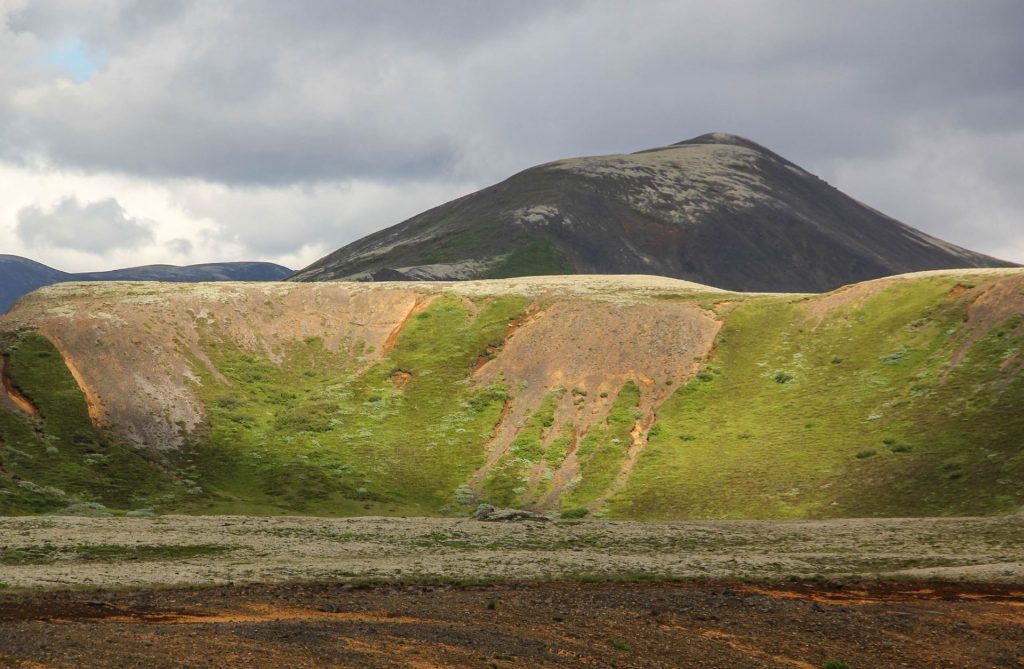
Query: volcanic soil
{"x": 697, "y": 624}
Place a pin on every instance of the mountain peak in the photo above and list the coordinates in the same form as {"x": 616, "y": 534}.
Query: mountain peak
{"x": 724, "y": 139}
{"x": 741, "y": 219}
{"x": 717, "y": 138}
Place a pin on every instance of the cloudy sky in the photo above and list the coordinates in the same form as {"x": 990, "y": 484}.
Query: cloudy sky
{"x": 181, "y": 131}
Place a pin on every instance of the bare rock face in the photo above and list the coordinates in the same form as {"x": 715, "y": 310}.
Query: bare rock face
{"x": 492, "y": 514}
{"x": 717, "y": 209}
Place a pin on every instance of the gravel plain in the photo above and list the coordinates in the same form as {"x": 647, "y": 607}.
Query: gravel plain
{"x": 110, "y": 553}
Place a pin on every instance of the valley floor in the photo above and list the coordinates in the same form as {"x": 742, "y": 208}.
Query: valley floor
{"x": 427, "y": 592}
{"x": 74, "y": 552}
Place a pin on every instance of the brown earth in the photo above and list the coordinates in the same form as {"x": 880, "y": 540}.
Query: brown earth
{"x": 593, "y": 349}
{"x": 284, "y": 592}
{"x": 989, "y": 306}
{"x": 699, "y": 624}
{"x": 11, "y": 394}
{"x": 131, "y": 347}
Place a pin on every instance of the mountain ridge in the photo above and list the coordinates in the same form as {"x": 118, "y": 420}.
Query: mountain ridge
{"x": 20, "y": 276}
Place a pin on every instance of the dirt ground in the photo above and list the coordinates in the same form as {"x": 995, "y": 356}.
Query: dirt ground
{"x": 697, "y": 624}
{"x": 427, "y": 592}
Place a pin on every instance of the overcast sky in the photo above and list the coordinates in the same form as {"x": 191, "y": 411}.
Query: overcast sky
{"x": 182, "y": 131}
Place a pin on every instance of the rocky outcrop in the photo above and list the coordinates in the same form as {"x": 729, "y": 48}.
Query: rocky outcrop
{"x": 491, "y": 514}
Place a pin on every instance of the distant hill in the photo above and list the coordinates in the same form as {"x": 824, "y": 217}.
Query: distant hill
{"x": 19, "y": 276}
{"x": 227, "y": 271}
{"x": 717, "y": 209}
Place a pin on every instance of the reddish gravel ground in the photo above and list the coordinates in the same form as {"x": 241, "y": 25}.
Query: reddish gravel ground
{"x": 867, "y": 625}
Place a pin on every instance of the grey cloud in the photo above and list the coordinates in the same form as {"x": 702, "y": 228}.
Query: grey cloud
{"x": 269, "y": 94}
{"x": 276, "y": 222}
{"x": 266, "y": 92}
{"x": 97, "y": 227}
{"x": 263, "y": 92}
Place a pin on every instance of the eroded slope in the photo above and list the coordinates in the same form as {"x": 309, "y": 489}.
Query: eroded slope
{"x": 632, "y": 396}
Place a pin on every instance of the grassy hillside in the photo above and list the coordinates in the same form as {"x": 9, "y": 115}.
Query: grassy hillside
{"x": 859, "y": 414}
{"x": 324, "y": 433}
{"x": 58, "y": 459}
{"x": 901, "y": 397}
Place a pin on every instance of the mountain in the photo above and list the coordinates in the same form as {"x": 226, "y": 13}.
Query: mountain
{"x": 717, "y": 209}
{"x": 19, "y": 276}
{"x": 628, "y": 396}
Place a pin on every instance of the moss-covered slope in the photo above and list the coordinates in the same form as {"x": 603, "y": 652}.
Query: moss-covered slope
{"x": 901, "y": 401}
{"x": 897, "y": 397}
{"x": 51, "y": 456}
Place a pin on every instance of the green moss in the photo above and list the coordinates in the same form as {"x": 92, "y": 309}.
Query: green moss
{"x": 346, "y": 440}
{"x": 60, "y": 459}
{"x": 509, "y": 480}
{"x": 603, "y": 450}
{"x": 537, "y": 257}
{"x": 751, "y": 445}
{"x": 48, "y": 553}
{"x": 559, "y": 448}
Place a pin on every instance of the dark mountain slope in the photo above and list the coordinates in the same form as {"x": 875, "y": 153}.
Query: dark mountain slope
{"x": 20, "y": 276}
{"x": 717, "y": 209}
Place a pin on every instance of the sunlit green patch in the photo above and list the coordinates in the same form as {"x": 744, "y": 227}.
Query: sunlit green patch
{"x": 60, "y": 460}
{"x": 871, "y": 419}
{"x": 346, "y": 439}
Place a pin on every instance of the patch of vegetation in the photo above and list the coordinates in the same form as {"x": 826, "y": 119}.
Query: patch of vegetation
{"x": 48, "y": 553}
{"x": 320, "y": 433}
{"x": 60, "y": 460}
{"x": 559, "y": 448}
{"x": 509, "y": 481}
{"x": 536, "y": 257}
{"x": 603, "y": 450}
{"x": 809, "y": 457}
{"x": 619, "y": 644}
